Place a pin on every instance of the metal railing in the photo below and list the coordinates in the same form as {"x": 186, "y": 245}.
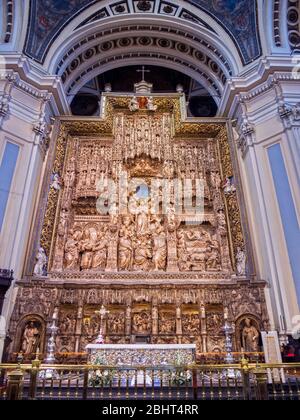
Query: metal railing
{"x": 243, "y": 381}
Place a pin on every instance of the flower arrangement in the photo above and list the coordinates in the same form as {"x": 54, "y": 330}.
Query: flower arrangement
{"x": 181, "y": 376}
{"x": 102, "y": 376}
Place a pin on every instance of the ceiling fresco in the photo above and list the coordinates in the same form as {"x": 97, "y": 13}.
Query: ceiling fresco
{"x": 49, "y": 17}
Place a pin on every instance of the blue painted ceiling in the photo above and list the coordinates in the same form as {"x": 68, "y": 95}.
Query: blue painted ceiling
{"x": 49, "y": 17}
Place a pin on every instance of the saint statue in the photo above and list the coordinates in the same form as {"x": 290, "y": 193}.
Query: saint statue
{"x": 87, "y": 245}
{"x": 40, "y": 268}
{"x": 150, "y": 104}
{"x": 250, "y": 337}
{"x": 212, "y": 254}
{"x": 56, "y": 182}
{"x": 100, "y": 252}
{"x": 125, "y": 245}
{"x": 240, "y": 262}
{"x": 142, "y": 218}
{"x": 143, "y": 253}
{"x": 159, "y": 249}
{"x": 133, "y": 104}
{"x": 71, "y": 252}
{"x": 30, "y": 339}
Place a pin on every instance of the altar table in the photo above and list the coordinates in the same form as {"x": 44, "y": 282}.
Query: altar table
{"x": 141, "y": 354}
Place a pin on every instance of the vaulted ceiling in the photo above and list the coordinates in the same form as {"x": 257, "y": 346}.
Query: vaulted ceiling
{"x": 49, "y": 17}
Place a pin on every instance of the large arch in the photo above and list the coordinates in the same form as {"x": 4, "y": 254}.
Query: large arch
{"x": 47, "y": 20}
{"x": 93, "y": 49}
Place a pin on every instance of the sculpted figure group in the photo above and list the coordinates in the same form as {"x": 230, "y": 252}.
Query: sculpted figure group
{"x": 142, "y": 243}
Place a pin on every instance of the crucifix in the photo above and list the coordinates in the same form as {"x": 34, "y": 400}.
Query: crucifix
{"x": 143, "y": 71}
{"x": 102, "y": 312}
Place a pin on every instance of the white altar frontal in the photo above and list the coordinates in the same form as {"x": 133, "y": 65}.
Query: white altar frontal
{"x": 154, "y": 355}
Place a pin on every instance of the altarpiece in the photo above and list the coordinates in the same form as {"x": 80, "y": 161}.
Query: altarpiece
{"x": 164, "y": 276}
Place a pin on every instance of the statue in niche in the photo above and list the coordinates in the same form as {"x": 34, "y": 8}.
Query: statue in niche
{"x": 142, "y": 322}
{"x": 191, "y": 324}
{"x": 31, "y": 338}
{"x": 67, "y": 324}
{"x": 212, "y": 254}
{"x": 134, "y": 104}
{"x": 70, "y": 175}
{"x": 196, "y": 249}
{"x": 143, "y": 253}
{"x": 116, "y": 323}
{"x": 126, "y": 245}
{"x": 90, "y": 326}
{"x": 250, "y": 337}
{"x": 214, "y": 323}
{"x": 86, "y": 247}
{"x": 240, "y": 262}
{"x": 215, "y": 179}
{"x": 40, "y": 268}
{"x": 93, "y": 177}
{"x": 72, "y": 251}
{"x": 167, "y": 323}
{"x": 100, "y": 251}
{"x": 159, "y": 249}
{"x": 83, "y": 177}
{"x": 142, "y": 217}
{"x": 56, "y": 182}
{"x": 229, "y": 186}
{"x": 150, "y": 104}
{"x": 61, "y": 229}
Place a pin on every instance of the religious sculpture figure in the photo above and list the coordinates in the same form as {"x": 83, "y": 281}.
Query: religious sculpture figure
{"x": 229, "y": 186}
{"x": 212, "y": 254}
{"x": 30, "y": 340}
{"x": 134, "y": 104}
{"x": 126, "y": 245}
{"x": 167, "y": 323}
{"x": 67, "y": 324}
{"x": 143, "y": 253}
{"x": 116, "y": 323}
{"x": 72, "y": 252}
{"x": 40, "y": 268}
{"x": 150, "y": 104}
{"x": 240, "y": 262}
{"x": 100, "y": 252}
{"x": 56, "y": 182}
{"x": 86, "y": 247}
{"x": 159, "y": 249}
{"x": 250, "y": 337}
{"x": 142, "y": 218}
{"x": 142, "y": 322}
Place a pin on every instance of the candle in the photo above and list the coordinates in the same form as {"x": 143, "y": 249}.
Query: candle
{"x": 226, "y": 313}
{"x": 55, "y": 313}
